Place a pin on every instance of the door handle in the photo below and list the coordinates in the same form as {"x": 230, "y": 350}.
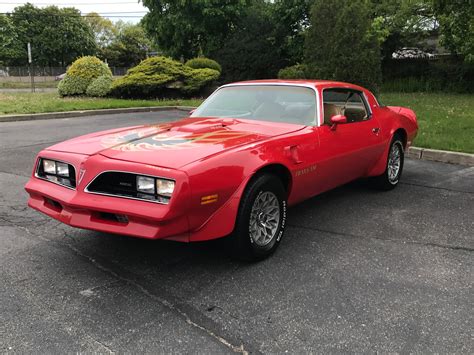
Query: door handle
{"x": 376, "y": 130}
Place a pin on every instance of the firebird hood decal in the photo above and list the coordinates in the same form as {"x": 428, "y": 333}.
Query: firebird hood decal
{"x": 176, "y": 144}
{"x": 137, "y": 140}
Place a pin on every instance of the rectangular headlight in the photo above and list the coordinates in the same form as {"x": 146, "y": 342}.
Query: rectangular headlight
{"x": 49, "y": 166}
{"x": 62, "y": 169}
{"x": 164, "y": 187}
{"x": 146, "y": 184}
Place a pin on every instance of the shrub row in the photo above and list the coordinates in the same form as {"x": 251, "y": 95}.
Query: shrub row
{"x": 163, "y": 77}
{"x": 414, "y": 75}
{"x": 410, "y": 75}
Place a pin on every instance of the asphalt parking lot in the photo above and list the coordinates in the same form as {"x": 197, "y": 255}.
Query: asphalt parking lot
{"x": 358, "y": 271}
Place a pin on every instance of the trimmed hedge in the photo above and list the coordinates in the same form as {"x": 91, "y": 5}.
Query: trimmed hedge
{"x": 298, "y": 71}
{"x": 73, "y": 85}
{"x": 204, "y": 63}
{"x": 89, "y": 67}
{"x": 162, "y": 77}
{"x": 100, "y": 87}
{"x": 81, "y": 74}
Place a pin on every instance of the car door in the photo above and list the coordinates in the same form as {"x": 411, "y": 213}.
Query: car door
{"x": 346, "y": 150}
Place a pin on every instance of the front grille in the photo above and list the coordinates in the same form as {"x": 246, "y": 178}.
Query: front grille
{"x": 122, "y": 184}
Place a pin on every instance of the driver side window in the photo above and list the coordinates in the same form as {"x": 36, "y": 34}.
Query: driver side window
{"x": 344, "y": 102}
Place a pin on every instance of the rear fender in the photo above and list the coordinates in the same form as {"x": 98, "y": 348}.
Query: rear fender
{"x": 381, "y": 164}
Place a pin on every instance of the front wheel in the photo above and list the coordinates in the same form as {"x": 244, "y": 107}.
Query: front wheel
{"x": 261, "y": 219}
{"x": 393, "y": 171}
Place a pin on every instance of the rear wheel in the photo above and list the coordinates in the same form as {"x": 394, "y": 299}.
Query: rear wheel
{"x": 261, "y": 219}
{"x": 393, "y": 171}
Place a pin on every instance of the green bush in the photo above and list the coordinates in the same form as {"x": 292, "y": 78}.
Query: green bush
{"x": 298, "y": 71}
{"x": 89, "y": 67}
{"x": 81, "y": 74}
{"x": 72, "y": 85}
{"x": 204, "y": 63}
{"x": 196, "y": 78}
{"x": 162, "y": 77}
{"x": 100, "y": 87}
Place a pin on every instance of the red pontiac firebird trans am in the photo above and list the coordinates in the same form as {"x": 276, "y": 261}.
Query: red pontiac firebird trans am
{"x": 230, "y": 169}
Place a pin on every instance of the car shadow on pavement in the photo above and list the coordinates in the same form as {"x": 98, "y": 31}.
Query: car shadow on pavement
{"x": 136, "y": 252}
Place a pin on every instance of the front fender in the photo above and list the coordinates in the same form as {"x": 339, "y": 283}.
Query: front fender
{"x": 226, "y": 176}
{"x": 222, "y": 221}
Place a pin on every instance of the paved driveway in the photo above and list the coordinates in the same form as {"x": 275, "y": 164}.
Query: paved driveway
{"x": 358, "y": 271}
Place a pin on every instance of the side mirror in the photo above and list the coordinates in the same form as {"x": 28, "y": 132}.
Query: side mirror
{"x": 192, "y": 111}
{"x": 337, "y": 119}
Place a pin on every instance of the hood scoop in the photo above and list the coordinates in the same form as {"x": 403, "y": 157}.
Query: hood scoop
{"x": 204, "y": 126}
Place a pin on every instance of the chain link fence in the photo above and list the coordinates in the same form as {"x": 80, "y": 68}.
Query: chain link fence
{"x": 22, "y": 74}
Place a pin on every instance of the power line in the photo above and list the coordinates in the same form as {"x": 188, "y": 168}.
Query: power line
{"x": 100, "y": 13}
{"x": 71, "y": 4}
{"x": 123, "y": 12}
{"x": 80, "y": 15}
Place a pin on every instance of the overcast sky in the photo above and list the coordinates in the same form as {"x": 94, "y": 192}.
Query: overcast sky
{"x": 103, "y": 7}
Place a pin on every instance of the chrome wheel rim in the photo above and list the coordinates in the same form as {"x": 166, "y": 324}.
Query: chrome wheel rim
{"x": 264, "y": 218}
{"x": 394, "y": 162}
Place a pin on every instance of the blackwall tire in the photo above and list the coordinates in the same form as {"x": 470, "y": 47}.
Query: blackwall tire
{"x": 261, "y": 219}
{"x": 394, "y": 168}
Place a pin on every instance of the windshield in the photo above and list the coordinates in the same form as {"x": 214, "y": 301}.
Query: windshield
{"x": 275, "y": 103}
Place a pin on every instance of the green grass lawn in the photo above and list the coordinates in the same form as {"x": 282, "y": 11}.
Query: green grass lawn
{"x": 446, "y": 121}
{"x": 27, "y": 85}
{"x": 22, "y": 103}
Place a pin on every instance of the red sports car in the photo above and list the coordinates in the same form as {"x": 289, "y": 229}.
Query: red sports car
{"x": 230, "y": 169}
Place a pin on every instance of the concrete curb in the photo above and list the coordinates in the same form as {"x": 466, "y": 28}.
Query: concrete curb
{"x": 441, "y": 156}
{"x": 70, "y": 114}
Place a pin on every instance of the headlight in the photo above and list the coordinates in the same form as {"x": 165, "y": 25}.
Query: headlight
{"x": 146, "y": 184}
{"x": 151, "y": 188}
{"x": 164, "y": 187}
{"x": 62, "y": 169}
{"x": 49, "y": 166}
{"x": 57, "y": 172}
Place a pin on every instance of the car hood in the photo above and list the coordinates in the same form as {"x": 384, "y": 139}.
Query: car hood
{"x": 175, "y": 144}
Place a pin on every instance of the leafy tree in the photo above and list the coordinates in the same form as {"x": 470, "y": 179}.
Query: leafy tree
{"x": 9, "y": 45}
{"x": 456, "y": 19}
{"x": 340, "y": 44}
{"x": 290, "y": 19}
{"x": 104, "y": 30}
{"x": 401, "y": 23}
{"x": 251, "y": 51}
{"x": 193, "y": 27}
{"x": 130, "y": 46}
{"x": 57, "y": 36}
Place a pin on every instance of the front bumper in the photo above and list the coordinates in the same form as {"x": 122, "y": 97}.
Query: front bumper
{"x": 98, "y": 212}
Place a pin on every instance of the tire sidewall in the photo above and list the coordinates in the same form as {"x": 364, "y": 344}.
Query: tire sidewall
{"x": 257, "y": 187}
{"x": 396, "y": 141}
